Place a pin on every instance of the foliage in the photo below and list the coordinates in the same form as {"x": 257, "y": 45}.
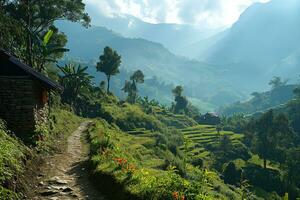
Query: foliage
{"x": 236, "y": 123}
{"x": 129, "y": 117}
{"x": 261, "y": 102}
{"x": 181, "y": 101}
{"x": 177, "y": 91}
{"x": 109, "y": 64}
{"x": 35, "y": 19}
{"x": 75, "y": 81}
{"x": 131, "y": 88}
{"x": 231, "y": 174}
{"x": 12, "y": 152}
{"x": 54, "y": 134}
{"x": 292, "y": 166}
{"x": 135, "y": 164}
{"x": 297, "y": 92}
{"x": 277, "y": 82}
{"x": 273, "y": 136}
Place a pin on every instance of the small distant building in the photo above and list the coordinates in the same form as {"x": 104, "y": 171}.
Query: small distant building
{"x": 24, "y": 94}
{"x": 209, "y": 119}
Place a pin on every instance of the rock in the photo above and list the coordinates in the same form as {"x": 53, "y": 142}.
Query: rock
{"x": 41, "y": 183}
{"x": 54, "y": 178}
{"x": 68, "y": 189}
{"x": 74, "y": 195}
{"x": 54, "y": 198}
{"x": 55, "y": 187}
{"x": 57, "y": 180}
{"x": 48, "y": 193}
{"x": 40, "y": 175}
{"x": 62, "y": 182}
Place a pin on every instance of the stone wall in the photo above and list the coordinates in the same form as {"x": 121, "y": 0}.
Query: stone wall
{"x": 20, "y": 104}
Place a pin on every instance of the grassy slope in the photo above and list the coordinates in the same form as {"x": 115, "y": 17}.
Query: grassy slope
{"x": 132, "y": 160}
{"x": 62, "y": 124}
{"x": 12, "y": 151}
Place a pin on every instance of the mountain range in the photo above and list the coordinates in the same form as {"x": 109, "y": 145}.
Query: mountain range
{"x": 200, "y": 80}
{"x": 173, "y": 36}
{"x": 263, "y": 43}
{"x": 219, "y": 68}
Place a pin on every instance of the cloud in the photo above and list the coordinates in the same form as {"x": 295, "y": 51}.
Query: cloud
{"x": 208, "y": 13}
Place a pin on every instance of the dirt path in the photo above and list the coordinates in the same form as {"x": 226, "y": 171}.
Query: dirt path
{"x": 66, "y": 174}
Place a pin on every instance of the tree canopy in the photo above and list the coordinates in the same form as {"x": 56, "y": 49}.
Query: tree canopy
{"x": 131, "y": 87}
{"x": 109, "y": 64}
{"x": 34, "y": 18}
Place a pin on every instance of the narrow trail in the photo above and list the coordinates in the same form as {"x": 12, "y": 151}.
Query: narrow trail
{"x": 66, "y": 176}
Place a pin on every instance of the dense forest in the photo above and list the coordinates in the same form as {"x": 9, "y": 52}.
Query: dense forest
{"x": 144, "y": 137}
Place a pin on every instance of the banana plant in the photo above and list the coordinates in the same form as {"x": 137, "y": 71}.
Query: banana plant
{"x": 75, "y": 80}
{"x": 45, "y": 50}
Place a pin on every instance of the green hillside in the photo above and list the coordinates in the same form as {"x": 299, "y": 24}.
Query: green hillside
{"x": 201, "y": 136}
{"x": 263, "y": 101}
{"x": 132, "y": 161}
{"x": 11, "y": 152}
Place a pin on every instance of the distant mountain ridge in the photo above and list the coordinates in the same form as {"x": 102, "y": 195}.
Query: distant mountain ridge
{"x": 200, "y": 80}
{"x": 172, "y": 36}
{"x": 263, "y": 43}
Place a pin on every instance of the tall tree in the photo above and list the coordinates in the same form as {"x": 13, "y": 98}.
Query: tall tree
{"x": 11, "y": 33}
{"x": 273, "y": 136}
{"x": 137, "y": 77}
{"x": 277, "y": 82}
{"x": 131, "y": 87}
{"x": 292, "y": 166}
{"x": 297, "y": 92}
{"x": 177, "y": 91}
{"x": 109, "y": 64}
{"x": 37, "y": 17}
{"x": 264, "y": 130}
{"x": 181, "y": 101}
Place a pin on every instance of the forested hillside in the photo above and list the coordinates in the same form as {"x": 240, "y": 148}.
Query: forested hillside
{"x": 278, "y": 96}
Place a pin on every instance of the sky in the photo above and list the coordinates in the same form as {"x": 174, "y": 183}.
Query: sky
{"x": 208, "y": 13}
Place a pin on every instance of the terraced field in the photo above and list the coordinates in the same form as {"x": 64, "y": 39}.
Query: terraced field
{"x": 200, "y": 136}
{"x": 173, "y": 120}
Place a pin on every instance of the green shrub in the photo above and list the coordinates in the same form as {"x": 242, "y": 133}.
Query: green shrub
{"x": 129, "y": 117}
{"x": 231, "y": 174}
{"x": 53, "y": 135}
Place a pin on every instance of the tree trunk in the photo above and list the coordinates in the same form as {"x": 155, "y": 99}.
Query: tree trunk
{"x": 108, "y": 80}
{"x": 265, "y": 163}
